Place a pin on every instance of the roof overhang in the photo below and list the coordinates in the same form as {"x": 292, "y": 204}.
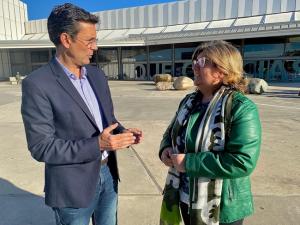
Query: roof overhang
{"x": 280, "y": 24}
{"x": 224, "y": 34}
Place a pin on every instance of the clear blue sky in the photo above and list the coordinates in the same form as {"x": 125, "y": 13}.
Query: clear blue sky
{"x": 40, "y": 9}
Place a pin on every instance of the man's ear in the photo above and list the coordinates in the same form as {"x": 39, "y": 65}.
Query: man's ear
{"x": 65, "y": 40}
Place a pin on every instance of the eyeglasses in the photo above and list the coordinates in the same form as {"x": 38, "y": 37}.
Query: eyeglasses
{"x": 201, "y": 63}
{"x": 88, "y": 44}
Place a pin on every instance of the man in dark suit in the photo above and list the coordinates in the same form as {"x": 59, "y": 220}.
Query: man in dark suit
{"x": 70, "y": 124}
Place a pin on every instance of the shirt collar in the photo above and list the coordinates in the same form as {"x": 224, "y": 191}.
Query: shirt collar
{"x": 72, "y": 76}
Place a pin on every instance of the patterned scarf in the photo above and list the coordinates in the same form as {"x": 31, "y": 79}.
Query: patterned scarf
{"x": 205, "y": 193}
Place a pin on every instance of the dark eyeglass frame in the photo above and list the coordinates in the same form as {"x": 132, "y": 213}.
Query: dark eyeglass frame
{"x": 88, "y": 44}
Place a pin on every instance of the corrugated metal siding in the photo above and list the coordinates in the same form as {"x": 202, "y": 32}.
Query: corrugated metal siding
{"x": 180, "y": 12}
{"x": 13, "y": 14}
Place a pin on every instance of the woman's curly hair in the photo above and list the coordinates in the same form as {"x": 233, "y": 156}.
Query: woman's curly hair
{"x": 227, "y": 59}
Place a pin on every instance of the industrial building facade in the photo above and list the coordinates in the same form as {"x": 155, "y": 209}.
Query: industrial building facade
{"x": 136, "y": 43}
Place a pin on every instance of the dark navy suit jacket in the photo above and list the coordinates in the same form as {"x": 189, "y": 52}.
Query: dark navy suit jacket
{"x": 61, "y": 132}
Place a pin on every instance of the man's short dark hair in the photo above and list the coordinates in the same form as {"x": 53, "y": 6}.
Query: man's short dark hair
{"x": 65, "y": 18}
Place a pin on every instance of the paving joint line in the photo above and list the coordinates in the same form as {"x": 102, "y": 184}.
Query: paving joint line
{"x": 147, "y": 170}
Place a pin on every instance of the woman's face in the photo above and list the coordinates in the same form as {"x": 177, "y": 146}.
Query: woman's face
{"x": 206, "y": 74}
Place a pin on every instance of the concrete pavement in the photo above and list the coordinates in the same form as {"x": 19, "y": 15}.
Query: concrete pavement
{"x": 275, "y": 182}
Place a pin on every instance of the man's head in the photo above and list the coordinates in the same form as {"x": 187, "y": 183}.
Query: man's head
{"x": 73, "y": 29}
{"x": 65, "y": 19}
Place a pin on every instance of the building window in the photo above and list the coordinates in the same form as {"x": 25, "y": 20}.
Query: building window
{"x": 20, "y": 62}
{"x": 183, "y": 59}
{"x": 108, "y": 62}
{"x": 292, "y": 47}
{"x": 160, "y": 57}
{"x": 134, "y": 62}
{"x": 263, "y": 47}
{"x": 39, "y": 56}
{"x": 263, "y": 50}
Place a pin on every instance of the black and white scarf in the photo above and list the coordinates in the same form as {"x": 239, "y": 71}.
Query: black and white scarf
{"x": 205, "y": 193}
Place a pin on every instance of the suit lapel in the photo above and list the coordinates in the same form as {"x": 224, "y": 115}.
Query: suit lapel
{"x": 100, "y": 93}
{"x": 67, "y": 85}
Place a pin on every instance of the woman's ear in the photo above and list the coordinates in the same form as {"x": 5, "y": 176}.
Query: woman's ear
{"x": 219, "y": 76}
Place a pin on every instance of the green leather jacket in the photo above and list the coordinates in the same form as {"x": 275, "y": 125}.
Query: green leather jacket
{"x": 234, "y": 164}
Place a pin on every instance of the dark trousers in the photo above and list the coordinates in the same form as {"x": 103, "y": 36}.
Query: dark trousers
{"x": 186, "y": 217}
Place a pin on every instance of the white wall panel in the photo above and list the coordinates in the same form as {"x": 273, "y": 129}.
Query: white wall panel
{"x": 234, "y": 9}
{"x": 19, "y": 30}
{"x": 13, "y": 30}
{"x": 262, "y": 7}
{"x": 203, "y": 10}
{"x": 2, "y": 27}
{"x": 187, "y": 10}
{"x": 11, "y": 20}
{"x": 174, "y": 14}
{"x": 17, "y": 13}
{"x": 255, "y": 7}
{"x": 12, "y": 15}
{"x": 1, "y": 11}
{"x": 248, "y": 8}
{"x": 170, "y": 12}
{"x": 141, "y": 16}
{"x": 209, "y": 9}
{"x": 297, "y": 3}
{"x": 165, "y": 14}
{"x": 118, "y": 19}
{"x": 5, "y": 9}
{"x": 33, "y": 27}
{"x": 146, "y": 17}
{"x": 160, "y": 15}
{"x": 283, "y": 6}
{"x": 197, "y": 12}
{"x": 269, "y": 6}
{"x": 26, "y": 14}
{"x": 23, "y": 20}
{"x": 104, "y": 19}
{"x": 7, "y": 28}
{"x": 126, "y": 18}
{"x": 215, "y": 9}
{"x": 113, "y": 18}
{"x": 180, "y": 13}
{"x": 276, "y": 8}
{"x": 241, "y": 8}
{"x": 109, "y": 18}
{"x": 135, "y": 21}
{"x": 150, "y": 16}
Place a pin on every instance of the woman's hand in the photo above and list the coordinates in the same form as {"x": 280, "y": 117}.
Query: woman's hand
{"x": 166, "y": 157}
{"x": 178, "y": 162}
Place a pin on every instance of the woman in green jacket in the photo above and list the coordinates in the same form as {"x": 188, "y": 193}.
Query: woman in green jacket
{"x": 212, "y": 144}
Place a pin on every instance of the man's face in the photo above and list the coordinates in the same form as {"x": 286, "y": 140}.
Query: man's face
{"x": 83, "y": 45}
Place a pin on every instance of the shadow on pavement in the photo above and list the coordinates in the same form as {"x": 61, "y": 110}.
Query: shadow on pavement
{"x": 282, "y": 94}
{"x": 19, "y": 207}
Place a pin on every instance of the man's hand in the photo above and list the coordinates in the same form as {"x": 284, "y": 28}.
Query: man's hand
{"x": 137, "y": 133}
{"x": 166, "y": 157}
{"x": 178, "y": 162}
{"x": 111, "y": 142}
